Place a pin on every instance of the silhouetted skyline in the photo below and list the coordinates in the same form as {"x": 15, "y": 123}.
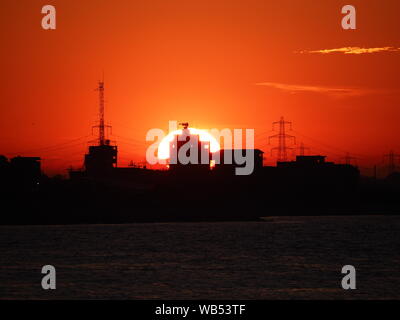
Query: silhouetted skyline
{"x": 216, "y": 65}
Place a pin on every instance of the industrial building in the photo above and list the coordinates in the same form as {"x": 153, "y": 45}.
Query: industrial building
{"x": 21, "y": 171}
{"x": 227, "y": 160}
{"x": 188, "y": 154}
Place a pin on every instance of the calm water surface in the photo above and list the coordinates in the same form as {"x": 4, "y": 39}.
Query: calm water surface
{"x": 282, "y": 258}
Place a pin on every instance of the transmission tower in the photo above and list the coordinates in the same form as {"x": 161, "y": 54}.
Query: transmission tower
{"x": 391, "y": 160}
{"x": 302, "y": 149}
{"x": 282, "y": 137}
{"x": 102, "y": 127}
{"x": 348, "y": 158}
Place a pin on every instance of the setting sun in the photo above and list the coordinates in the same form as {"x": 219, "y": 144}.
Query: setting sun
{"x": 163, "y": 148}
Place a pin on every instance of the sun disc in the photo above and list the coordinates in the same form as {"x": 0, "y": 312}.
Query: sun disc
{"x": 163, "y": 148}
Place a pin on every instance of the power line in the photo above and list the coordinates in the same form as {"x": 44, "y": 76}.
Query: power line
{"x": 59, "y": 146}
{"x": 329, "y": 146}
{"x": 129, "y": 139}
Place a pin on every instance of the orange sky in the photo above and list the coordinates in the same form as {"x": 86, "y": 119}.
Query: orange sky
{"x": 216, "y": 64}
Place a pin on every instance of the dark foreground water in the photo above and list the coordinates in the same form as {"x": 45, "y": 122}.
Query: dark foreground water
{"x": 282, "y": 258}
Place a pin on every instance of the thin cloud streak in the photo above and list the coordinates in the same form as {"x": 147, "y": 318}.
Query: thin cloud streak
{"x": 352, "y": 50}
{"x": 332, "y": 91}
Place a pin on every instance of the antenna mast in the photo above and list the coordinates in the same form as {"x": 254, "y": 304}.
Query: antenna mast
{"x": 101, "y": 113}
{"x": 102, "y": 126}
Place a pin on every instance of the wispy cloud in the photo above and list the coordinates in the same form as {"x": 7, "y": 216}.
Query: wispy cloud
{"x": 352, "y": 50}
{"x": 333, "y": 91}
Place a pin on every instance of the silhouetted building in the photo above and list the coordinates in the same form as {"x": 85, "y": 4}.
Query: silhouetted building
{"x": 25, "y": 170}
{"x": 227, "y": 161}
{"x": 101, "y": 159}
{"x": 4, "y": 164}
{"x": 312, "y": 162}
{"x": 189, "y": 154}
{"x": 5, "y": 172}
{"x": 316, "y": 172}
